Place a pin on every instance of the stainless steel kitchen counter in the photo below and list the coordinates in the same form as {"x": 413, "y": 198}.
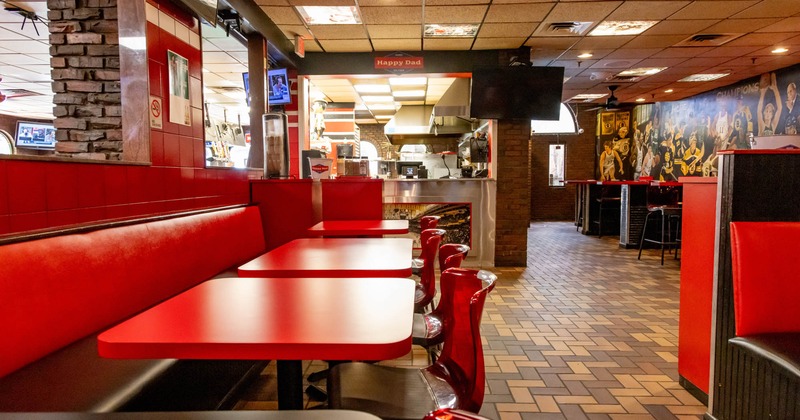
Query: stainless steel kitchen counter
{"x": 480, "y": 193}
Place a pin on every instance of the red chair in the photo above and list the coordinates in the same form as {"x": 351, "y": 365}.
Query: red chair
{"x": 426, "y": 288}
{"x": 448, "y": 414}
{"x": 456, "y": 380}
{"x": 428, "y": 328}
{"x": 428, "y": 222}
{"x": 417, "y": 263}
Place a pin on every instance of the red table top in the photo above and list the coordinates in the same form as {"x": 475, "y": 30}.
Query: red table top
{"x": 358, "y": 227}
{"x": 334, "y": 257}
{"x": 272, "y": 318}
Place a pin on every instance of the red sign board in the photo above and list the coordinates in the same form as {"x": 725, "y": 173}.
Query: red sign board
{"x": 399, "y": 62}
{"x": 320, "y": 168}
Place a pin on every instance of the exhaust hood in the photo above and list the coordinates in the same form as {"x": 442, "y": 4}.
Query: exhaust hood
{"x": 423, "y": 123}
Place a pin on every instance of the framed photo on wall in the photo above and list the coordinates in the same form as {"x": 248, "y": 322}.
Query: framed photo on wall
{"x": 179, "y": 112}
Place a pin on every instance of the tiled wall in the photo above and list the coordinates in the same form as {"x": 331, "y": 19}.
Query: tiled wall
{"x": 42, "y": 195}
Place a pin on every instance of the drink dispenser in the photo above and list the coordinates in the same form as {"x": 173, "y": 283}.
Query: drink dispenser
{"x": 276, "y": 145}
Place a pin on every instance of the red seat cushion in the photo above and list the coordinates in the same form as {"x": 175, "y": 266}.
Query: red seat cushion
{"x": 766, "y": 284}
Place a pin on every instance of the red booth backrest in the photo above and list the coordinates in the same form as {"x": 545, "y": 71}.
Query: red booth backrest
{"x": 766, "y": 277}
{"x": 60, "y": 289}
{"x": 352, "y": 198}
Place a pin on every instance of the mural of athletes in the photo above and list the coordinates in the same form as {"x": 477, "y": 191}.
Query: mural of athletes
{"x": 455, "y": 218}
{"x": 667, "y": 140}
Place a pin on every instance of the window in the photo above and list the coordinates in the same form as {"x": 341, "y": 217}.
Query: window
{"x": 368, "y": 150}
{"x": 6, "y": 143}
{"x": 556, "y": 165}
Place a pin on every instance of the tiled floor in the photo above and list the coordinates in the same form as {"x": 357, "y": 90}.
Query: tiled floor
{"x": 585, "y": 331}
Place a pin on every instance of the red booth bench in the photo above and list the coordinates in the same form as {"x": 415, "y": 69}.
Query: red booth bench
{"x": 766, "y": 291}
{"x": 59, "y": 292}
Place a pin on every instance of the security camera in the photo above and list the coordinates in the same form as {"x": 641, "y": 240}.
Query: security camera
{"x": 580, "y": 131}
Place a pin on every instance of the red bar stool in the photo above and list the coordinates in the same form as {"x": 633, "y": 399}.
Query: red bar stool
{"x": 456, "y": 380}
{"x": 426, "y": 288}
{"x": 427, "y": 330}
{"x": 449, "y": 414}
{"x": 425, "y": 223}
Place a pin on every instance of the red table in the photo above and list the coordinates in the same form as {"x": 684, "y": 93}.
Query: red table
{"x": 284, "y": 319}
{"x": 334, "y": 257}
{"x": 358, "y": 227}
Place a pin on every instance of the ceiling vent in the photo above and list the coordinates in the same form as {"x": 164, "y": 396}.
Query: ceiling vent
{"x": 568, "y": 28}
{"x": 623, "y": 79}
{"x": 707, "y": 40}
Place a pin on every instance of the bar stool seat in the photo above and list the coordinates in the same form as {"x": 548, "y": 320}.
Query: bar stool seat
{"x": 669, "y": 214}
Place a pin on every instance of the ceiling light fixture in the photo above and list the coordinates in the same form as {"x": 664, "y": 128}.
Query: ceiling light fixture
{"x": 668, "y": 91}
{"x": 451, "y": 30}
{"x": 585, "y": 55}
{"x": 642, "y": 71}
{"x": 780, "y": 50}
{"x": 703, "y": 77}
{"x": 622, "y": 27}
{"x": 329, "y": 15}
{"x": 408, "y": 81}
{"x": 640, "y": 99}
{"x": 366, "y": 88}
{"x": 408, "y": 93}
{"x": 587, "y": 97}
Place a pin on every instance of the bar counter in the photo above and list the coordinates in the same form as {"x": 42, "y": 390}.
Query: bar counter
{"x": 477, "y": 194}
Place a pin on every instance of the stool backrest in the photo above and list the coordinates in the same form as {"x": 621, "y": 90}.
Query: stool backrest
{"x": 432, "y": 239}
{"x": 452, "y": 255}
{"x": 766, "y": 284}
{"x": 428, "y": 222}
{"x": 461, "y": 360}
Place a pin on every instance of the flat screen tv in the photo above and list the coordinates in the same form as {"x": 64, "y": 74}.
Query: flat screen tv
{"x": 204, "y": 9}
{"x": 516, "y": 92}
{"x": 35, "y": 135}
{"x": 246, "y": 82}
{"x": 278, "y": 82}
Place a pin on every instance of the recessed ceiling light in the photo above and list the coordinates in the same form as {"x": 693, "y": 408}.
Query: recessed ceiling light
{"x": 465, "y": 30}
{"x": 622, "y": 27}
{"x": 585, "y": 55}
{"x": 668, "y": 91}
{"x": 703, "y": 77}
{"x": 381, "y": 106}
{"x": 780, "y": 50}
{"x": 384, "y": 117}
{"x": 588, "y": 96}
{"x": 329, "y": 15}
{"x": 408, "y": 81}
{"x": 376, "y": 98}
{"x": 640, "y": 99}
{"x": 642, "y": 71}
{"x": 408, "y": 93}
{"x": 366, "y": 88}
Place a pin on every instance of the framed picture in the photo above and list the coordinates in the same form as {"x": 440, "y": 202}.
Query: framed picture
{"x": 607, "y": 123}
{"x": 179, "y": 112}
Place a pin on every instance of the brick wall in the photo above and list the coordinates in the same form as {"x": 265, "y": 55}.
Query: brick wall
{"x": 513, "y": 193}
{"x": 84, "y": 46}
{"x": 374, "y": 134}
{"x": 558, "y": 203}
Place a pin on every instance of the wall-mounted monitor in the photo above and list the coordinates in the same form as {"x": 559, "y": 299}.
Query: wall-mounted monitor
{"x": 278, "y": 83}
{"x": 246, "y": 82}
{"x": 204, "y": 9}
{"x": 35, "y": 135}
{"x": 516, "y": 92}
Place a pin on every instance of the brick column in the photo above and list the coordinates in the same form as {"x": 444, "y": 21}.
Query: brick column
{"x": 84, "y": 46}
{"x": 513, "y": 193}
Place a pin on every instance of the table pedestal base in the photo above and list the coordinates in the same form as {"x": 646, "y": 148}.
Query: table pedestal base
{"x": 290, "y": 384}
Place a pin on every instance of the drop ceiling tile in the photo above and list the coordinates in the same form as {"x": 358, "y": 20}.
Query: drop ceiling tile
{"x": 20, "y": 59}
{"x": 26, "y": 46}
{"x": 740, "y": 25}
{"x": 397, "y": 44}
{"x": 646, "y": 10}
{"x": 702, "y": 62}
{"x": 216, "y": 57}
{"x": 657, "y": 41}
{"x": 391, "y": 15}
{"x": 454, "y": 14}
{"x": 446, "y": 44}
{"x": 759, "y": 39}
{"x": 228, "y": 44}
{"x": 728, "y": 51}
{"x": 552, "y": 42}
{"x": 291, "y": 30}
{"x": 345, "y": 45}
{"x": 282, "y": 15}
{"x": 497, "y": 43}
{"x": 680, "y": 27}
{"x": 747, "y": 61}
{"x": 771, "y": 8}
{"x": 338, "y": 31}
{"x": 394, "y": 31}
{"x": 583, "y": 11}
{"x": 226, "y": 68}
{"x": 614, "y": 65}
{"x": 363, "y": 3}
{"x": 321, "y": 2}
{"x": 534, "y": 12}
{"x": 591, "y": 42}
{"x": 506, "y": 30}
{"x": 661, "y": 62}
{"x": 312, "y": 46}
{"x": 786, "y": 25}
{"x": 332, "y": 82}
{"x": 597, "y": 54}
{"x": 713, "y": 9}
{"x": 681, "y": 52}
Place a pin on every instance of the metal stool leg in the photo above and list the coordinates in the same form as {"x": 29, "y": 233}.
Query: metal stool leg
{"x": 641, "y": 238}
{"x": 663, "y": 229}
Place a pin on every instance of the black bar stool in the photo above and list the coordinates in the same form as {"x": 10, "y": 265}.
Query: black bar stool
{"x": 669, "y": 214}
{"x": 608, "y": 201}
